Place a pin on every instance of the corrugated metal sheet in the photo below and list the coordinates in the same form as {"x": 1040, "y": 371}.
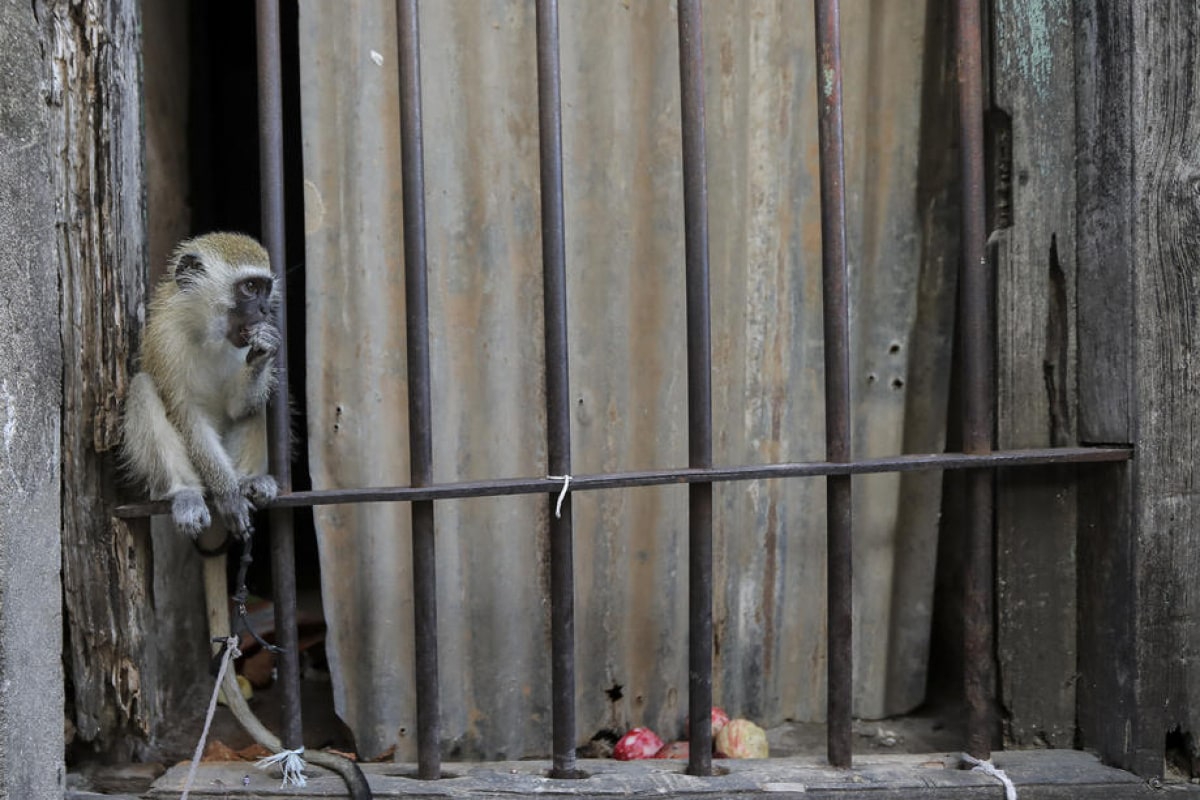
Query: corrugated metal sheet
{"x": 625, "y": 283}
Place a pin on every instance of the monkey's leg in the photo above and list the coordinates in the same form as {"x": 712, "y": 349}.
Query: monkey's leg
{"x": 215, "y": 599}
{"x": 156, "y": 454}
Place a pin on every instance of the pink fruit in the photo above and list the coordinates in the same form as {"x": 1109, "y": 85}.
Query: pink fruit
{"x": 741, "y": 738}
{"x": 673, "y": 750}
{"x": 719, "y": 720}
{"x": 638, "y": 743}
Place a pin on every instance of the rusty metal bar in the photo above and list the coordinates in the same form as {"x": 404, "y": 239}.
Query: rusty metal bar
{"x": 699, "y": 377}
{"x": 558, "y": 404}
{"x": 836, "y": 307}
{"x": 283, "y": 552}
{"x": 420, "y": 414}
{"x": 503, "y": 487}
{"x": 975, "y": 320}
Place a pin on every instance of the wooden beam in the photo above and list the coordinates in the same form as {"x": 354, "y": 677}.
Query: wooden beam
{"x": 1166, "y": 340}
{"x": 1107, "y": 703}
{"x": 1033, "y": 182}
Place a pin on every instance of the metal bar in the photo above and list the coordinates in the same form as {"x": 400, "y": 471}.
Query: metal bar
{"x": 836, "y": 307}
{"x": 558, "y": 419}
{"x": 695, "y": 219}
{"x": 420, "y": 415}
{"x": 283, "y": 558}
{"x": 503, "y": 487}
{"x": 975, "y": 320}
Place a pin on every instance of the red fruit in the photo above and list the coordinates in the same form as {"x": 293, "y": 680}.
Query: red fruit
{"x": 673, "y": 750}
{"x": 638, "y": 743}
{"x": 719, "y": 720}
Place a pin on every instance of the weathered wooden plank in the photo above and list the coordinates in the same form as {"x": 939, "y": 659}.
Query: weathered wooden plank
{"x": 1107, "y": 706}
{"x": 1104, "y": 205}
{"x": 96, "y": 146}
{"x": 1166, "y": 239}
{"x": 1033, "y": 81}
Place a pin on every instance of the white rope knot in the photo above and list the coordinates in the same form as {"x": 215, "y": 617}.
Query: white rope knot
{"x": 292, "y": 764}
{"x": 562, "y": 495}
{"x": 988, "y": 768}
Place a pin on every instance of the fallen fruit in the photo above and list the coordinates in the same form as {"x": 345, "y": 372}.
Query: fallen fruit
{"x": 637, "y": 743}
{"x": 741, "y": 738}
{"x": 719, "y": 720}
{"x": 673, "y": 750}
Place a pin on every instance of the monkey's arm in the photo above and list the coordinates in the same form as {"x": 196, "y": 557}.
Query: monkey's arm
{"x": 156, "y": 455}
{"x": 246, "y": 443}
{"x": 215, "y": 466}
{"x": 255, "y": 381}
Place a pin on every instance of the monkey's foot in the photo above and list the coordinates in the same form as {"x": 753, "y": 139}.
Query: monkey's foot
{"x": 234, "y": 511}
{"x": 258, "y": 489}
{"x": 189, "y": 512}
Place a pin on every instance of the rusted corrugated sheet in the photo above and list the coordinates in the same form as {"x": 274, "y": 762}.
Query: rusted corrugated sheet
{"x": 625, "y": 282}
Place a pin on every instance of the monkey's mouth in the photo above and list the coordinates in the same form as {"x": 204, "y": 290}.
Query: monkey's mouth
{"x": 241, "y": 337}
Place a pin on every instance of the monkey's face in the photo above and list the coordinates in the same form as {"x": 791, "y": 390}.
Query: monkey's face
{"x": 252, "y": 306}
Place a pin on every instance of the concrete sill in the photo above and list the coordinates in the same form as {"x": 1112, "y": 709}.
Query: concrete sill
{"x": 1037, "y": 774}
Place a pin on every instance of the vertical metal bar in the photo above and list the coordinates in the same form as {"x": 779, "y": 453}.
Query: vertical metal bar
{"x": 695, "y": 217}
{"x": 283, "y": 558}
{"x": 420, "y": 418}
{"x": 976, "y": 331}
{"x": 558, "y": 419}
{"x": 836, "y": 306}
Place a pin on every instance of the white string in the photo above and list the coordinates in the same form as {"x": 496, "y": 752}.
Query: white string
{"x": 566, "y": 479}
{"x": 292, "y": 764}
{"x": 988, "y": 768}
{"x": 231, "y": 652}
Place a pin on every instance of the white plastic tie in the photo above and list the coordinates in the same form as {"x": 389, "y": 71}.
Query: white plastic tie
{"x": 231, "y": 652}
{"x": 562, "y": 495}
{"x": 292, "y": 764}
{"x": 988, "y": 768}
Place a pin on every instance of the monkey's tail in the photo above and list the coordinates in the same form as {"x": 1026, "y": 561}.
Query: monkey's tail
{"x": 349, "y": 771}
{"x": 215, "y": 591}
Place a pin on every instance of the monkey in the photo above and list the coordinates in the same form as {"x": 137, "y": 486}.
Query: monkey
{"x": 195, "y": 417}
{"x": 195, "y": 414}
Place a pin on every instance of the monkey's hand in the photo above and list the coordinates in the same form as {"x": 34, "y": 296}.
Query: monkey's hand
{"x": 234, "y": 510}
{"x": 258, "y": 489}
{"x": 264, "y": 342}
{"x": 189, "y": 512}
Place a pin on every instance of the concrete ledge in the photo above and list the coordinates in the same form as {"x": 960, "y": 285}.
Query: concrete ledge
{"x": 1038, "y": 775}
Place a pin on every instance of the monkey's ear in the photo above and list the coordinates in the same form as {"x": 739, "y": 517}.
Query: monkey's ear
{"x": 188, "y": 270}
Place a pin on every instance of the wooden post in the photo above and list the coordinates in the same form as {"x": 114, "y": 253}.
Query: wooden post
{"x": 1139, "y": 168}
{"x": 1104, "y": 234}
{"x": 1166, "y": 373}
{"x": 1033, "y": 180}
{"x": 94, "y": 94}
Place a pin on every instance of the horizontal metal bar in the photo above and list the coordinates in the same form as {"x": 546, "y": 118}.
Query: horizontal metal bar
{"x": 660, "y": 477}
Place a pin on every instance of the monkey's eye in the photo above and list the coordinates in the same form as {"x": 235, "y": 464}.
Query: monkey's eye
{"x": 250, "y": 288}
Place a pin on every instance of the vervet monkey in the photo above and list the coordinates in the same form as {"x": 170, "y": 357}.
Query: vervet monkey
{"x": 195, "y": 414}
